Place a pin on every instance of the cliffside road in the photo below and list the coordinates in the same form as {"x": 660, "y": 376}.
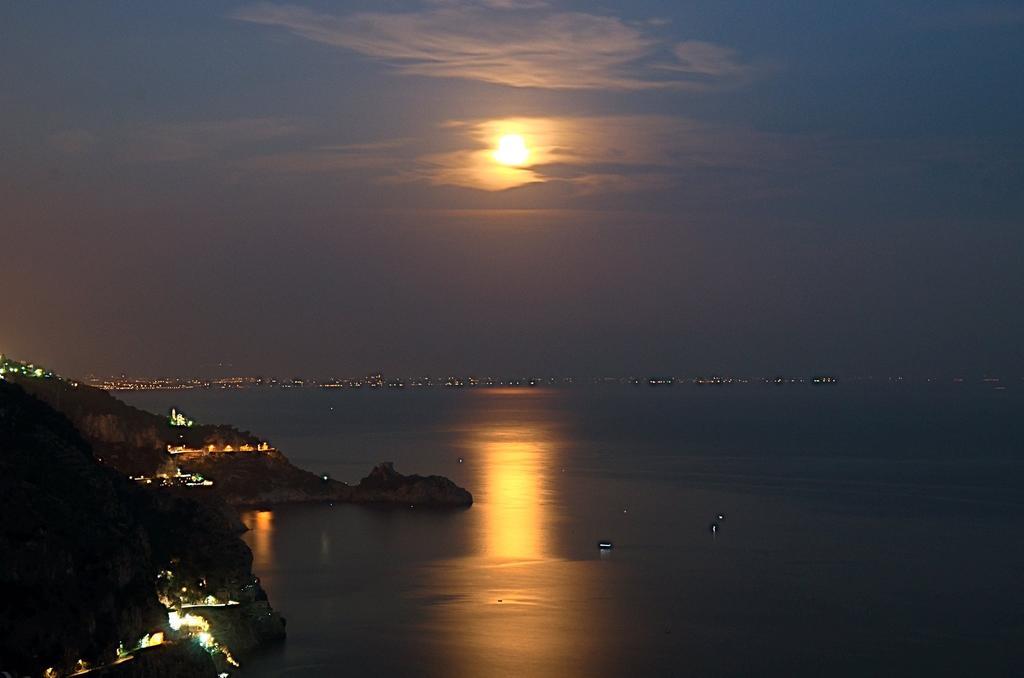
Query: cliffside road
{"x": 121, "y": 549}
{"x": 236, "y": 465}
{"x": 95, "y": 567}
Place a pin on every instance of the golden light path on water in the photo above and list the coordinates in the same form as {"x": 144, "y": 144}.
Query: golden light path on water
{"x": 261, "y": 525}
{"x": 510, "y": 603}
{"x": 514, "y": 510}
{"x": 515, "y": 608}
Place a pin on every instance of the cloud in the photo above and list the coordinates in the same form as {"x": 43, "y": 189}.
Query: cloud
{"x": 579, "y": 155}
{"x": 707, "y": 60}
{"x": 177, "y": 142}
{"x": 381, "y": 156}
{"x": 589, "y": 154}
{"x": 517, "y": 44}
{"x": 976, "y": 16}
{"x": 494, "y": 4}
{"x": 72, "y": 141}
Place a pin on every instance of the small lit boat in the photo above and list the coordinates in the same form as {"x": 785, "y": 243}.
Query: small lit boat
{"x": 605, "y": 545}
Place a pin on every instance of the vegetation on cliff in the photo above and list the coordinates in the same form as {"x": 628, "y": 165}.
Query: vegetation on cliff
{"x": 131, "y": 440}
{"x": 137, "y": 443}
{"x": 147, "y": 579}
{"x": 89, "y": 557}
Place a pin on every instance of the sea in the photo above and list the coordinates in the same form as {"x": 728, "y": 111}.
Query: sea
{"x": 850, "y": 529}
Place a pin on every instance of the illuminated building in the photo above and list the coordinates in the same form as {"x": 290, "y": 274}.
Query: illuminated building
{"x": 262, "y": 446}
{"x": 179, "y": 420}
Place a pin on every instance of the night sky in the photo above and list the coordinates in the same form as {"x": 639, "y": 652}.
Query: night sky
{"x": 741, "y": 187}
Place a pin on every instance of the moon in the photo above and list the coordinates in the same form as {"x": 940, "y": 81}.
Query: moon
{"x": 512, "y": 150}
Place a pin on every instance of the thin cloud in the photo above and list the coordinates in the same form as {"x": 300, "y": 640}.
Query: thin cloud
{"x": 584, "y": 155}
{"x": 976, "y": 16}
{"x": 178, "y": 142}
{"x": 382, "y": 156}
{"x": 593, "y": 154}
{"x": 493, "y": 4}
{"x": 72, "y": 141}
{"x": 517, "y": 44}
{"x": 698, "y": 59}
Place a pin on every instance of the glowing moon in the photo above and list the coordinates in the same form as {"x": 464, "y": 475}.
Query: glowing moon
{"x": 512, "y": 150}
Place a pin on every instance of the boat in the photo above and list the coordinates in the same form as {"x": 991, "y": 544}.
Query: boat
{"x": 605, "y": 545}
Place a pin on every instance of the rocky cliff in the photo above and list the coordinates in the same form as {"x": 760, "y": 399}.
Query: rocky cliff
{"x": 129, "y": 439}
{"x": 385, "y": 484}
{"x": 135, "y": 443}
{"x": 94, "y": 567}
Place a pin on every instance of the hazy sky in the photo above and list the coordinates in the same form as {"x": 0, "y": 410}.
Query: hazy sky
{"x": 744, "y": 187}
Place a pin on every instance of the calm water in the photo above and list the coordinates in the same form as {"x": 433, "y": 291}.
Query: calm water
{"x": 867, "y": 532}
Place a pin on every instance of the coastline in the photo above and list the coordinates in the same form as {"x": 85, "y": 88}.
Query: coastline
{"x": 194, "y": 584}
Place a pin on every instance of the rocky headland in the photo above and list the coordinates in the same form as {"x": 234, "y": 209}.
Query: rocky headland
{"x": 137, "y": 444}
{"x": 98, "y": 571}
{"x": 121, "y": 544}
